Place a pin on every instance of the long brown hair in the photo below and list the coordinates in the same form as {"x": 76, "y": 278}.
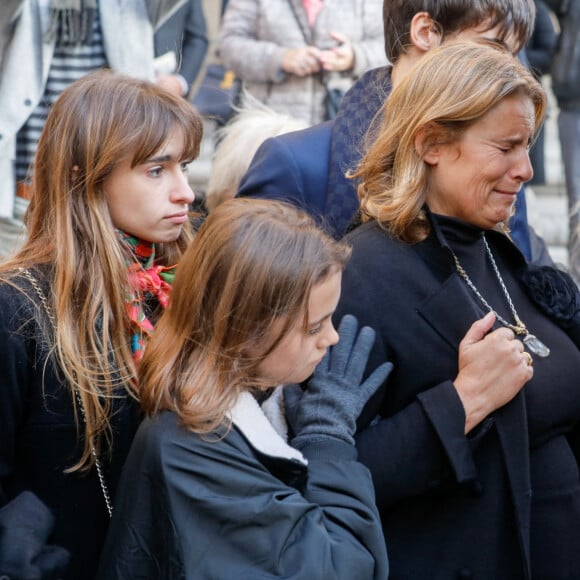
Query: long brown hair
{"x": 446, "y": 92}
{"x": 253, "y": 262}
{"x": 96, "y": 123}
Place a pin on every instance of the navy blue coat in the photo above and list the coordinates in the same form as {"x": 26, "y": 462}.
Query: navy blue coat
{"x": 292, "y": 168}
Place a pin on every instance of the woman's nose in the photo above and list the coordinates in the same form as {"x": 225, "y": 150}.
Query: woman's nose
{"x": 331, "y": 337}
{"x": 182, "y": 190}
{"x": 523, "y": 170}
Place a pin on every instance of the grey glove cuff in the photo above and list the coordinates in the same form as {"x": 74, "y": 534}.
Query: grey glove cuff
{"x": 330, "y": 418}
{"x": 326, "y": 448}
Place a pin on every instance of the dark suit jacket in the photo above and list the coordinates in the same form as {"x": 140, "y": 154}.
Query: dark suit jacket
{"x": 292, "y": 168}
{"x": 185, "y": 33}
{"x": 452, "y": 506}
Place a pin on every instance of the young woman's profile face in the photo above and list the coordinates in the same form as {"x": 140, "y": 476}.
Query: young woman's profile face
{"x": 151, "y": 201}
{"x": 295, "y": 358}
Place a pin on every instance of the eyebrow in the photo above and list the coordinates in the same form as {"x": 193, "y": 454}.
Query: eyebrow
{"x": 159, "y": 159}
{"x": 320, "y": 320}
{"x": 514, "y": 140}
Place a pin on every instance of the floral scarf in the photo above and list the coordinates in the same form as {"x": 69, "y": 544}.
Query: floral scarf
{"x": 147, "y": 280}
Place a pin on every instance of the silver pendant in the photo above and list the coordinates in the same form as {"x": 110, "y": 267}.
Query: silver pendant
{"x": 536, "y": 346}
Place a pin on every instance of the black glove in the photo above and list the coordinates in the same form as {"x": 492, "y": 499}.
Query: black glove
{"x": 25, "y": 526}
{"x": 334, "y": 396}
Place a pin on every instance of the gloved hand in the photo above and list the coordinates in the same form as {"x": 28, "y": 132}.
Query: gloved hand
{"x": 25, "y": 526}
{"x": 334, "y": 396}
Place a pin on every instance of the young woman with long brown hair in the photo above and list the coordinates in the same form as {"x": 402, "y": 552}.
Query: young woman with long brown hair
{"x": 107, "y": 223}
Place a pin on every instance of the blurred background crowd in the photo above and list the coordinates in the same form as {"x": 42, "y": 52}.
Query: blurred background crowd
{"x": 258, "y": 69}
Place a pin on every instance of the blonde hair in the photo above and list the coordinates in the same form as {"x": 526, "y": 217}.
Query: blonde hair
{"x": 253, "y": 262}
{"x": 238, "y": 141}
{"x": 95, "y": 124}
{"x": 446, "y": 92}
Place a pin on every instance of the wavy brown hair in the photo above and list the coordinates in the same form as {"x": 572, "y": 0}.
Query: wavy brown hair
{"x": 445, "y": 93}
{"x": 96, "y": 123}
{"x": 253, "y": 263}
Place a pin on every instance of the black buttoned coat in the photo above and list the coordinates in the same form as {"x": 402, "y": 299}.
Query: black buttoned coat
{"x": 452, "y": 506}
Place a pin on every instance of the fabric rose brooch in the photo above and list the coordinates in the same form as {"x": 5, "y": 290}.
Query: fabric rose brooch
{"x": 555, "y": 292}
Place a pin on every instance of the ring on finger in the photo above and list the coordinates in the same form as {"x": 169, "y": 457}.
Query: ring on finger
{"x": 528, "y": 357}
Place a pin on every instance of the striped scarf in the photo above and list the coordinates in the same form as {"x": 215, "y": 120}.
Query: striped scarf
{"x": 147, "y": 281}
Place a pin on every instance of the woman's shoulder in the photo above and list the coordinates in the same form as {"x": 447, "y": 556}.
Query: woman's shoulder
{"x": 20, "y": 295}
{"x": 165, "y": 439}
{"x": 164, "y": 436}
{"x": 370, "y": 242}
{"x": 16, "y": 300}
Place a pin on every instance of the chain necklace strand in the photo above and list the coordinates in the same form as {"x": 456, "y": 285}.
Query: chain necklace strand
{"x": 52, "y": 320}
{"x": 533, "y": 344}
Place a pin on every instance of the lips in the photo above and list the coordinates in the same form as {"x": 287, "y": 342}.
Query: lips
{"x": 178, "y": 218}
{"x": 514, "y": 193}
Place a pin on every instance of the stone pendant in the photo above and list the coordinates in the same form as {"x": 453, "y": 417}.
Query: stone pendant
{"x": 536, "y": 346}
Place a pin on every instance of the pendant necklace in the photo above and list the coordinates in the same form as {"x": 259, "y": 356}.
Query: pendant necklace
{"x": 533, "y": 344}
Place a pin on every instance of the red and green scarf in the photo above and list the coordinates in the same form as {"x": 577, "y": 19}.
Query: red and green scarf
{"x": 147, "y": 280}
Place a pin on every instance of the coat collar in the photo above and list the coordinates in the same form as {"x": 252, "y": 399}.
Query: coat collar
{"x": 439, "y": 309}
{"x": 250, "y": 419}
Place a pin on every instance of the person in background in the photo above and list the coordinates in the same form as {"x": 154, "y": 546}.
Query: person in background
{"x": 474, "y": 453}
{"x": 565, "y": 74}
{"x": 288, "y": 52}
{"x": 46, "y": 45}
{"x": 182, "y": 41}
{"x": 107, "y": 223}
{"x": 299, "y": 167}
{"x": 237, "y": 143}
{"x": 211, "y": 489}
{"x": 538, "y": 55}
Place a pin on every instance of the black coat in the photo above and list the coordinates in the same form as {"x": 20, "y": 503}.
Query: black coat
{"x": 452, "y": 506}
{"x": 242, "y": 507}
{"x": 38, "y": 437}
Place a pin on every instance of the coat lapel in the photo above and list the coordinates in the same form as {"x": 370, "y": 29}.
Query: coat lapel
{"x": 450, "y": 311}
{"x": 512, "y": 426}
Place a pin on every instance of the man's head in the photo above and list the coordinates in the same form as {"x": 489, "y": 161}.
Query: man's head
{"x": 507, "y": 21}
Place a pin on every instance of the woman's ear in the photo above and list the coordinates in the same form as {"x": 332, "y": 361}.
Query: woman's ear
{"x": 423, "y": 32}
{"x": 426, "y": 145}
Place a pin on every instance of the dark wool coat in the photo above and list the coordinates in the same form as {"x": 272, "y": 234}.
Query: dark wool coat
{"x": 452, "y": 506}
{"x": 39, "y": 437}
{"x": 244, "y": 506}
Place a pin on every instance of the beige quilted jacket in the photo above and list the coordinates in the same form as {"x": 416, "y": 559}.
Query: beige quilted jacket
{"x": 256, "y": 33}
